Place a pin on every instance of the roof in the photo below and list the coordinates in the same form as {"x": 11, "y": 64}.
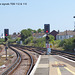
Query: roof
{"x": 15, "y": 36}
{"x": 38, "y": 34}
{"x": 54, "y": 32}
{"x": 67, "y": 33}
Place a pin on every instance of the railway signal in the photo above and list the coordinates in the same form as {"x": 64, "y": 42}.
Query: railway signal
{"x": 47, "y": 37}
{"x": 6, "y": 39}
{"x": 46, "y": 28}
{"x": 6, "y": 33}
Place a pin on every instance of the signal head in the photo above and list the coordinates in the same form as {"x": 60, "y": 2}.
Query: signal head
{"x": 6, "y": 32}
{"x": 46, "y": 28}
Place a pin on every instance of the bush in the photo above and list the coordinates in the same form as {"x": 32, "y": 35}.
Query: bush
{"x": 28, "y": 40}
{"x": 57, "y": 42}
{"x": 12, "y": 41}
{"x": 62, "y": 43}
{"x": 68, "y": 44}
{"x": 2, "y": 40}
{"x": 51, "y": 39}
{"x": 40, "y": 42}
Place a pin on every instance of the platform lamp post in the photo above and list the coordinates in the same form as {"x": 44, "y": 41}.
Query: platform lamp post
{"x": 74, "y": 22}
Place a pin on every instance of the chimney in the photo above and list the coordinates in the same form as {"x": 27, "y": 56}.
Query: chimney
{"x": 58, "y": 31}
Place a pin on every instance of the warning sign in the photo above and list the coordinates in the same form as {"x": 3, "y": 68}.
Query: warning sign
{"x": 51, "y": 46}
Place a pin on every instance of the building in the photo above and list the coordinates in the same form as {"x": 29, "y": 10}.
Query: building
{"x": 38, "y": 35}
{"x": 54, "y": 33}
{"x": 2, "y": 36}
{"x": 65, "y": 35}
{"x": 15, "y": 36}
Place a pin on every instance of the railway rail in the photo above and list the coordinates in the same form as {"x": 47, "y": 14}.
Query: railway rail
{"x": 10, "y": 70}
{"x": 38, "y": 50}
{"x": 42, "y": 51}
{"x": 15, "y": 65}
{"x": 31, "y": 65}
{"x": 64, "y": 54}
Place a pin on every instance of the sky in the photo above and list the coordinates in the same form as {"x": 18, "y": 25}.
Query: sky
{"x": 58, "y": 13}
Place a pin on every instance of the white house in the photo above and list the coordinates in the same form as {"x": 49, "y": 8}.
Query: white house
{"x": 2, "y": 35}
{"x": 38, "y": 35}
{"x": 65, "y": 35}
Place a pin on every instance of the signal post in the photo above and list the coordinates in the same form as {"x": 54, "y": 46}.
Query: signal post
{"x": 6, "y": 33}
{"x": 47, "y": 30}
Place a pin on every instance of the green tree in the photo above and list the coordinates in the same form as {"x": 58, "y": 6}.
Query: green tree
{"x": 39, "y": 30}
{"x": 29, "y": 29}
{"x": 25, "y": 34}
{"x": 39, "y": 42}
{"x": 34, "y": 31}
{"x": 68, "y": 44}
{"x": 28, "y": 40}
{"x": 51, "y": 39}
{"x": 18, "y": 39}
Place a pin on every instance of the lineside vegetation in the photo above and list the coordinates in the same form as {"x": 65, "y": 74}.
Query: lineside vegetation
{"x": 27, "y": 39}
{"x": 66, "y": 44}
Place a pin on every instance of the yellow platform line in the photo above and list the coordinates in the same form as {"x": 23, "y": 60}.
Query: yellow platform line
{"x": 58, "y": 70}
{"x": 70, "y": 70}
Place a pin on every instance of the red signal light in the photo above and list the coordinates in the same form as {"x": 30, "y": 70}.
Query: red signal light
{"x": 6, "y": 34}
{"x": 46, "y": 31}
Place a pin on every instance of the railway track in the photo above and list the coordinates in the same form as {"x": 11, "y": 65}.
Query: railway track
{"x": 17, "y": 63}
{"x": 64, "y": 54}
{"x": 38, "y": 50}
{"x": 42, "y": 51}
{"x": 31, "y": 65}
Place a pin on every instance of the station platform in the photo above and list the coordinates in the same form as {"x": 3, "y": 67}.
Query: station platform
{"x": 54, "y": 65}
